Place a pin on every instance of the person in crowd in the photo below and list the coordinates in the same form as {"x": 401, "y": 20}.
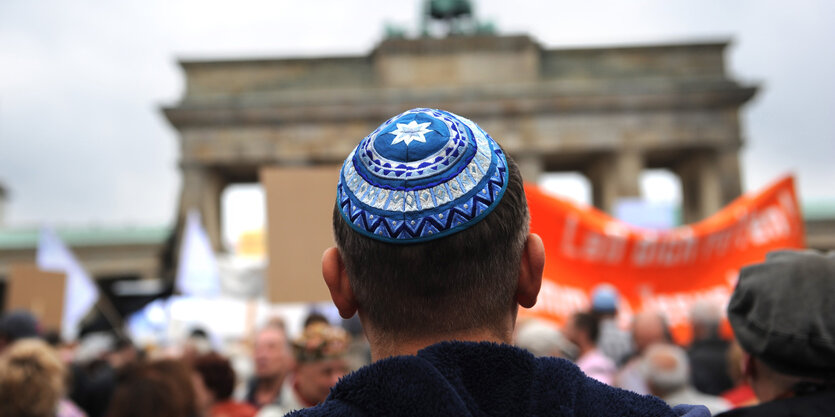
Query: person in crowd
{"x": 99, "y": 359}
{"x": 542, "y": 339}
{"x": 124, "y": 352}
{"x": 32, "y": 382}
{"x": 196, "y": 344}
{"x": 181, "y": 376}
{"x": 708, "y": 351}
{"x": 52, "y": 337}
{"x": 162, "y": 388}
{"x": 16, "y": 325}
{"x": 273, "y": 361}
{"x": 781, "y": 312}
{"x": 315, "y": 317}
{"x": 583, "y": 331}
{"x": 667, "y": 372}
{"x": 614, "y": 342}
{"x": 214, "y": 384}
{"x": 648, "y": 328}
{"x": 741, "y": 395}
{"x": 320, "y": 354}
{"x": 435, "y": 255}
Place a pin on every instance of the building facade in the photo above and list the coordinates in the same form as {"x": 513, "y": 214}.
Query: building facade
{"x": 608, "y": 113}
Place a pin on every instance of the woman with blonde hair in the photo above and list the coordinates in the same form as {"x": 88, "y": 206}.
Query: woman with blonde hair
{"x": 32, "y": 381}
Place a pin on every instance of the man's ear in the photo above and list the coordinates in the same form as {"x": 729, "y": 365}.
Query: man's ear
{"x": 336, "y": 278}
{"x": 530, "y": 271}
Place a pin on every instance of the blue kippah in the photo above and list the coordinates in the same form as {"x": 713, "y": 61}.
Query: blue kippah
{"x": 421, "y": 175}
{"x": 604, "y": 298}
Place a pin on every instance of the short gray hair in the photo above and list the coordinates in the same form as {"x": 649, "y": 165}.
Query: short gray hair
{"x": 706, "y": 312}
{"x": 666, "y": 368}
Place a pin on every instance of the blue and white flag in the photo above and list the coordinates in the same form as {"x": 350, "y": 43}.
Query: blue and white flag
{"x": 80, "y": 292}
{"x": 197, "y": 269}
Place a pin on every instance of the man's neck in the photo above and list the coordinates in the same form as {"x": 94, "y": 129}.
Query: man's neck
{"x": 584, "y": 348}
{"x": 382, "y": 347}
{"x": 268, "y": 389}
{"x": 301, "y": 398}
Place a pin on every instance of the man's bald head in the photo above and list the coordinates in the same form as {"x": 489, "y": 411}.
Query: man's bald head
{"x": 649, "y": 328}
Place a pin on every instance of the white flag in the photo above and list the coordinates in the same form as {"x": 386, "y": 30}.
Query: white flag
{"x": 80, "y": 292}
{"x": 197, "y": 270}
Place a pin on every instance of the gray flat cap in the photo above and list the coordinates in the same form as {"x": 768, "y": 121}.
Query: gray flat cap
{"x": 783, "y": 312}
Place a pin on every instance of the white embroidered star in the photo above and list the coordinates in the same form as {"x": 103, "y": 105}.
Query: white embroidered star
{"x": 409, "y": 132}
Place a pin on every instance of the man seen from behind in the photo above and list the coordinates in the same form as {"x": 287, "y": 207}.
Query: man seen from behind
{"x": 781, "y": 312}
{"x": 435, "y": 255}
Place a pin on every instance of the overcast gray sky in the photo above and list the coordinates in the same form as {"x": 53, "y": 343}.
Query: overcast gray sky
{"x": 83, "y": 142}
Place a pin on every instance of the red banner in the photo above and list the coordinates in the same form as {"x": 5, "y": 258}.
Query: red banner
{"x": 666, "y": 270}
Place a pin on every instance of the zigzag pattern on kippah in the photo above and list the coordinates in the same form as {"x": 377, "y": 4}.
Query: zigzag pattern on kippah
{"x": 421, "y": 175}
{"x": 427, "y": 227}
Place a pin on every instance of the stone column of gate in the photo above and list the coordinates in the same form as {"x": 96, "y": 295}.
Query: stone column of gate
{"x": 530, "y": 166}
{"x": 701, "y": 185}
{"x": 613, "y": 176}
{"x": 730, "y": 179}
{"x": 202, "y": 189}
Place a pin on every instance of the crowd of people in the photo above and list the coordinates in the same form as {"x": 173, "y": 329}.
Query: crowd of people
{"x": 42, "y": 379}
{"x": 108, "y": 376}
{"x": 644, "y": 358}
{"x": 436, "y": 264}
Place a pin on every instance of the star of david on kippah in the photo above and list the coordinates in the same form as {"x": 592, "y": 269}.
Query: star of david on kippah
{"x": 409, "y": 132}
{"x": 421, "y": 175}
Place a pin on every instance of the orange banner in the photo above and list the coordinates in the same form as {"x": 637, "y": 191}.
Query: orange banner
{"x": 663, "y": 270}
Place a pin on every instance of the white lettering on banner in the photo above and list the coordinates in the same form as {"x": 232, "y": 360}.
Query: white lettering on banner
{"x": 679, "y": 246}
{"x": 717, "y": 244}
{"x": 676, "y": 306}
{"x": 617, "y": 234}
{"x": 665, "y": 252}
{"x": 787, "y": 202}
{"x": 758, "y": 228}
{"x": 770, "y": 225}
{"x": 741, "y": 238}
{"x": 563, "y": 301}
{"x": 593, "y": 246}
{"x": 560, "y": 300}
{"x": 568, "y": 233}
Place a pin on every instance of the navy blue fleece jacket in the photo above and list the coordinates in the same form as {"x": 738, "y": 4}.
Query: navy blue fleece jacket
{"x": 482, "y": 379}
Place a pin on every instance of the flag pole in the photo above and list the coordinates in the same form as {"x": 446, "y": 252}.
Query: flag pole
{"x": 111, "y": 315}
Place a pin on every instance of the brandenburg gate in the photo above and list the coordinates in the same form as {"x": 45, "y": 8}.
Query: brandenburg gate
{"x": 608, "y": 113}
